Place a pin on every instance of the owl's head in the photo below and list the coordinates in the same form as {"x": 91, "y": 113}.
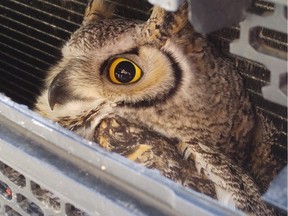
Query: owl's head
{"x": 120, "y": 60}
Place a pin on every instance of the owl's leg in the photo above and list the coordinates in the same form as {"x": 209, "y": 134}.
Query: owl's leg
{"x": 97, "y": 10}
{"x": 233, "y": 186}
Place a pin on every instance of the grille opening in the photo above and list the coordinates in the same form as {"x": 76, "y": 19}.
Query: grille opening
{"x": 283, "y": 83}
{"x": 28, "y": 206}
{"x": 71, "y": 210}
{"x": 261, "y": 7}
{"x": 269, "y": 42}
{"x": 11, "y": 212}
{"x": 32, "y": 199}
{"x": 5, "y": 190}
{"x": 45, "y": 196}
{"x": 14, "y": 176}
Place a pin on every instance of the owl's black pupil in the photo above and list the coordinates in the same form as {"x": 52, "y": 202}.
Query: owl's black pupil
{"x": 125, "y": 72}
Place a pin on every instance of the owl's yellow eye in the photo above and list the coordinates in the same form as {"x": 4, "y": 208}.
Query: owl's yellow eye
{"x": 124, "y": 71}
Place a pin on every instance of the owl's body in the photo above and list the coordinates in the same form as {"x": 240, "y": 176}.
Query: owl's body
{"x": 162, "y": 76}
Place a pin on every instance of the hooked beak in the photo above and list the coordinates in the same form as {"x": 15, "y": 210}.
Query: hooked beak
{"x": 58, "y": 92}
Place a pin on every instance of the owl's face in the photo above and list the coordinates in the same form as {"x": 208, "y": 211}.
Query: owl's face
{"x": 113, "y": 67}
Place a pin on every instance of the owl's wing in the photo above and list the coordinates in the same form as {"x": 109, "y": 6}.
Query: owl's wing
{"x": 266, "y": 160}
{"x": 207, "y": 171}
{"x": 152, "y": 150}
{"x": 234, "y": 187}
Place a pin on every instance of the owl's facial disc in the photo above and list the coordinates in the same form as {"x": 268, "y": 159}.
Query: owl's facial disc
{"x": 143, "y": 77}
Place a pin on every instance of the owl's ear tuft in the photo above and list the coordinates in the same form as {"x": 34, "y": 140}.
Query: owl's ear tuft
{"x": 97, "y": 10}
{"x": 162, "y": 24}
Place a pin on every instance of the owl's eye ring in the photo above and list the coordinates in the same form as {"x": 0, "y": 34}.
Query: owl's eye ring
{"x": 124, "y": 71}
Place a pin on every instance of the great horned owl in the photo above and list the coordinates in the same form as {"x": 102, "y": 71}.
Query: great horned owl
{"x": 157, "y": 93}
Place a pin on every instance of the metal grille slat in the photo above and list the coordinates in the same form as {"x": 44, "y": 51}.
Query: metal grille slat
{"x": 35, "y": 11}
{"x": 75, "y": 5}
{"x": 20, "y": 87}
{"x": 31, "y": 58}
{"x": 13, "y": 93}
{"x": 43, "y": 25}
{"x": 33, "y": 50}
{"x": 28, "y": 38}
{"x": 61, "y": 8}
{"x": 43, "y": 33}
{"x": 31, "y": 68}
{"x": 26, "y": 77}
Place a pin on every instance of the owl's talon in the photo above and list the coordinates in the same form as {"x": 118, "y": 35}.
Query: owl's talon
{"x": 184, "y": 150}
{"x": 188, "y": 152}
